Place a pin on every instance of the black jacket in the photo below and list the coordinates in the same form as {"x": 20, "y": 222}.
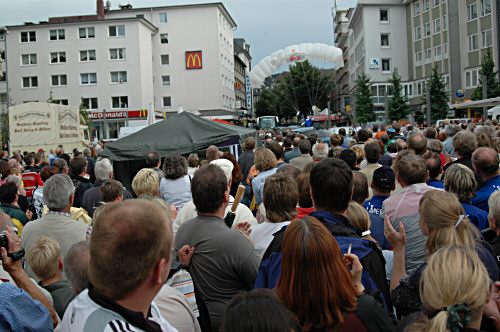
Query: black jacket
{"x": 81, "y": 186}
{"x": 246, "y": 160}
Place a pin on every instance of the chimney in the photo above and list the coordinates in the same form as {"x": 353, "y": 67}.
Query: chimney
{"x": 100, "y": 9}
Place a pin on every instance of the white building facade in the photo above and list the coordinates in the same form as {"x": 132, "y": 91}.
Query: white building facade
{"x": 121, "y": 63}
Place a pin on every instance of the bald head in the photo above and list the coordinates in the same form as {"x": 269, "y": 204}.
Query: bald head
{"x": 212, "y": 153}
{"x": 418, "y": 143}
{"x": 485, "y": 163}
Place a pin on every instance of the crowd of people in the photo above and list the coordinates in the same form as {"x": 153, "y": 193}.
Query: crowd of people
{"x": 388, "y": 228}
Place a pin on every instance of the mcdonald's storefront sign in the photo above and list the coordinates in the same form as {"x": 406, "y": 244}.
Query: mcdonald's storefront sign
{"x": 131, "y": 114}
{"x": 194, "y": 60}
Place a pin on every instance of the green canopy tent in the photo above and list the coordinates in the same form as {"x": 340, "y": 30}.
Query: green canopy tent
{"x": 182, "y": 133}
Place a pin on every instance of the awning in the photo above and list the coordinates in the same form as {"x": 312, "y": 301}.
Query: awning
{"x": 490, "y": 102}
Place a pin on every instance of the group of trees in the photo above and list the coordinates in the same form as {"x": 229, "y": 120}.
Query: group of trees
{"x": 397, "y": 103}
{"x": 298, "y": 90}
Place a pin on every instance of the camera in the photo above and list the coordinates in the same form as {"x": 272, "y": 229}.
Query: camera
{"x": 4, "y": 242}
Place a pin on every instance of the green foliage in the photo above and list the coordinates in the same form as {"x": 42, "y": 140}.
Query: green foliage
{"x": 84, "y": 115}
{"x": 363, "y": 100}
{"x": 51, "y": 100}
{"x": 398, "y": 108}
{"x": 4, "y": 127}
{"x": 299, "y": 90}
{"x": 488, "y": 70}
{"x": 439, "y": 96}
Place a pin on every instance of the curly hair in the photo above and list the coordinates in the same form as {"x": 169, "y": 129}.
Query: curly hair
{"x": 175, "y": 166}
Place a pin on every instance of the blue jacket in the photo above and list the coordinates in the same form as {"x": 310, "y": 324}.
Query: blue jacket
{"x": 374, "y": 277}
{"x": 377, "y": 231}
{"x": 484, "y": 193}
{"x": 374, "y": 205}
{"x": 476, "y": 216}
{"x": 435, "y": 183}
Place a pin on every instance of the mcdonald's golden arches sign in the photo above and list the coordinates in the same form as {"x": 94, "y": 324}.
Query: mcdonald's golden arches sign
{"x": 194, "y": 60}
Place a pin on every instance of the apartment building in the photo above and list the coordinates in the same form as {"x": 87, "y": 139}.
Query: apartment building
{"x": 452, "y": 35}
{"x": 121, "y": 63}
{"x": 377, "y": 46}
{"x": 342, "y": 84}
{"x": 242, "y": 67}
{"x": 3, "y": 73}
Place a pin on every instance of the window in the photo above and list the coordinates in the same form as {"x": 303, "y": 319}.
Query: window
{"x": 118, "y": 77}
{"x": 386, "y": 65}
{"x": 416, "y": 8}
{"x": 445, "y": 50}
{"x": 428, "y": 55}
{"x": 384, "y": 40}
{"x": 89, "y": 103}
{"x": 472, "y": 78}
{"x": 2, "y": 35}
{"x": 58, "y": 57}
{"x": 60, "y": 101}
{"x": 427, "y": 29}
{"x": 427, "y": 5}
{"x": 116, "y": 30}
{"x": 473, "y": 45}
{"x": 86, "y": 32}
{"x": 471, "y": 12}
{"x": 437, "y": 25}
{"x": 28, "y": 59}
{"x": 58, "y": 80}
{"x": 418, "y": 33}
{"x": 28, "y": 36}
{"x": 485, "y": 7}
{"x": 30, "y": 82}
{"x": 486, "y": 38}
{"x": 435, "y": 3}
{"x": 165, "y": 80}
{"x": 384, "y": 15}
{"x": 445, "y": 23}
{"x": 163, "y": 17}
{"x": 418, "y": 58}
{"x": 119, "y": 102}
{"x": 117, "y": 54}
{"x": 167, "y": 101}
{"x": 164, "y": 38}
{"x": 87, "y": 55}
{"x": 57, "y": 34}
{"x": 165, "y": 59}
{"x": 88, "y": 78}
{"x": 437, "y": 53}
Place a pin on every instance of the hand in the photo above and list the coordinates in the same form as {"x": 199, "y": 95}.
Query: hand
{"x": 491, "y": 308}
{"x": 14, "y": 244}
{"x": 173, "y": 212}
{"x": 244, "y": 227}
{"x": 185, "y": 254}
{"x": 395, "y": 238}
{"x": 29, "y": 215}
{"x": 354, "y": 266}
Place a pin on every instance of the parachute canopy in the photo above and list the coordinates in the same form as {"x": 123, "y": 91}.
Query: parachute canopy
{"x": 295, "y": 53}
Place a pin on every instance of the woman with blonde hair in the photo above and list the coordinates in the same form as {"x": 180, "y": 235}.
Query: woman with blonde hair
{"x": 443, "y": 221}
{"x": 360, "y": 219}
{"x": 454, "y": 290}
{"x": 146, "y": 182}
{"x": 265, "y": 163}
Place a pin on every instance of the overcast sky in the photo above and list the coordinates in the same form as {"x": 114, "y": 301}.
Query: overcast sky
{"x": 268, "y": 25}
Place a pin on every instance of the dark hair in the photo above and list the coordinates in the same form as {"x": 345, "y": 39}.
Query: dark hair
{"x": 249, "y": 144}
{"x": 348, "y": 156}
{"x": 77, "y": 165}
{"x": 485, "y": 160}
{"x": 28, "y": 159}
{"x": 433, "y": 163}
{"x": 290, "y": 170}
{"x": 305, "y": 200}
{"x": 310, "y": 259}
{"x": 8, "y": 192}
{"x": 208, "y": 187}
{"x": 152, "y": 159}
{"x": 236, "y": 175}
{"x": 276, "y": 148}
{"x": 392, "y": 148}
{"x": 175, "y": 166}
{"x": 384, "y": 138}
{"x": 342, "y": 132}
{"x": 287, "y": 142}
{"x": 66, "y": 157}
{"x": 4, "y": 169}
{"x": 360, "y": 187}
{"x": 259, "y": 310}
{"x": 331, "y": 185}
{"x": 47, "y": 172}
{"x": 372, "y": 152}
{"x": 305, "y": 146}
{"x": 111, "y": 190}
{"x": 363, "y": 135}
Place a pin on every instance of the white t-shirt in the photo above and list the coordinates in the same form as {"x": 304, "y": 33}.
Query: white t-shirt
{"x": 262, "y": 234}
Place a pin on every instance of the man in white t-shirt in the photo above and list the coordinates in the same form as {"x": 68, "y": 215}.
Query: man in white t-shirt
{"x": 130, "y": 257}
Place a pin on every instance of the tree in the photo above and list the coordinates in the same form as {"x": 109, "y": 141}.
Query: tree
{"x": 266, "y": 104}
{"x": 363, "y": 100}
{"x": 84, "y": 114}
{"x": 439, "y": 96}
{"x": 398, "y": 108}
{"x": 488, "y": 70}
